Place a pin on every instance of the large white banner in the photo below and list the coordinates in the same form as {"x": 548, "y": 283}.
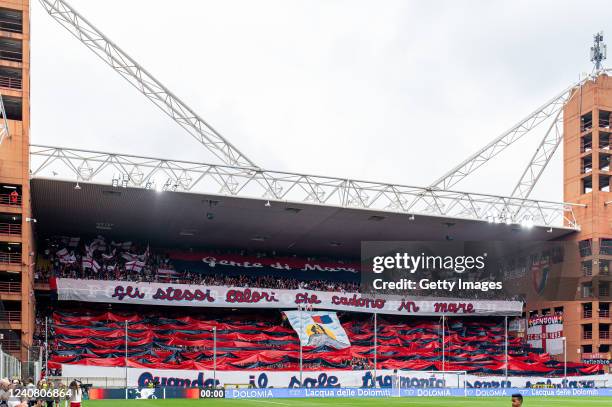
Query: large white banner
{"x": 546, "y": 332}
{"x": 330, "y": 378}
{"x": 239, "y": 297}
{"x": 318, "y": 329}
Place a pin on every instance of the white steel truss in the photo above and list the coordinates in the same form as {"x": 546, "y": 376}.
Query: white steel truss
{"x": 4, "y": 127}
{"x": 142, "y": 80}
{"x": 549, "y": 144}
{"x": 482, "y": 156}
{"x": 121, "y": 170}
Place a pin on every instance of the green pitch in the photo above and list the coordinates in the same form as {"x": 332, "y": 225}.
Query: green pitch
{"x": 347, "y": 402}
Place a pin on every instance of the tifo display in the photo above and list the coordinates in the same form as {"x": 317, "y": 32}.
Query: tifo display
{"x": 265, "y": 341}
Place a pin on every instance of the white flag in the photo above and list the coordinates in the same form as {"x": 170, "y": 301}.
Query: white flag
{"x": 68, "y": 259}
{"x": 108, "y": 256}
{"x": 134, "y": 265}
{"x": 129, "y": 256}
{"x": 166, "y": 272}
{"x": 90, "y": 263}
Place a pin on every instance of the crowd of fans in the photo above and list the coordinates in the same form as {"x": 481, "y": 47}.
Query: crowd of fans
{"x": 99, "y": 260}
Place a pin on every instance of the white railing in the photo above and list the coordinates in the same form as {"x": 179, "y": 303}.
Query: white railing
{"x": 10, "y": 366}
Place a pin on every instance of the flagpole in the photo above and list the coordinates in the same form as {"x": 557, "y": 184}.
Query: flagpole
{"x": 443, "y": 345}
{"x": 375, "y": 346}
{"x": 506, "y": 343}
{"x": 126, "y": 354}
{"x": 214, "y": 356}
{"x": 46, "y": 347}
{"x": 299, "y": 339}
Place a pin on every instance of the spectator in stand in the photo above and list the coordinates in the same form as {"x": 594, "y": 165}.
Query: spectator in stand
{"x": 14, "y": 198}
{"x": 106, "y": 262}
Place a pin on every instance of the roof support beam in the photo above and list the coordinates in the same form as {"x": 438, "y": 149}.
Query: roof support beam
{"x": 506, "y": 139}
{"x": 160, "y": 174}
{"x": 547, "y": 148}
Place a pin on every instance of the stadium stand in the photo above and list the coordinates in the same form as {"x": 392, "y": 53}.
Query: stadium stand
{"x": 127, "y": 261}
{"x": 265, "y": 342}
{"x": 182, "y": 339}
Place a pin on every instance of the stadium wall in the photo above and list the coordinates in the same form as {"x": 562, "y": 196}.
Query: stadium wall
{"x": 137, "y": 377}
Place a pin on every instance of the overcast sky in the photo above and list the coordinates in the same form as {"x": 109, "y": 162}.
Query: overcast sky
{"x": 395, "y": 91}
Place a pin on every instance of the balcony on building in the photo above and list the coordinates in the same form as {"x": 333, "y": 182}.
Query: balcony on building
{"x": 10, "y": 286}
{"x": 604, "y": 141}
{"x": 13, "y": 347}
{"x": 586, "y": 247}
{"x": 586, "y": 143}
{"x": 604, "y": 119}
{"x": 587, "y": 184}
{"x": 604, "y": 162}
{"x": 10, "y": 78}
{"x": 604, "y": 288}
{"x": 605, "y": 247}
{"x": 587, "y": 164}
{"x": 604, "y": 309}
{"x": 10, "y": 254}
{"x": 587, "y": 268}
{"x": 604, "y": 331}
{"x": 10, "y": 316}
{"x": 10, "y": 227}
{"x": 11, "y": 20}
{"x": 13, "y": 107}
{"x": 587, "y": 332}
{"x": 11, "y": 50}
{"x": 604, "y": 267}
{"x": 586, "y": 122}
{"x": 10, "y": 196}
{"x": 586, "y": 289}
{"x": 604, "y": 183}
{"x": 587, "y": 310}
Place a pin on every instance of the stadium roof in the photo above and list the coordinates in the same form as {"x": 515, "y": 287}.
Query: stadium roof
{"x": 180, "y": 219}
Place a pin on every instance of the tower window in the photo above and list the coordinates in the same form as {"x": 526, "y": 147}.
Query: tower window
{"x": 586, "y": 143}
{"x": 604, "y": 289}
{"x": 12, "y": 105}
{"x": 586, "y": 122}
{"x": 585, "y": 248}
{"x": 587, "y": 185}
{"x": 605, "y": 247}
{"x": 587, "y": 164}
{"x": 604, "y": 183}
{"x": 11, "y": 50}
{"x": 604, "y": 119}
{"x": 604, "y": 141}
{"x": 11, "y": 20}
{"x": 587, "y": 268}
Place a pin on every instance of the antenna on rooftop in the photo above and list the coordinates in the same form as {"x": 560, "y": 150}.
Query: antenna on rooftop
{"x": 598, "y": 51}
